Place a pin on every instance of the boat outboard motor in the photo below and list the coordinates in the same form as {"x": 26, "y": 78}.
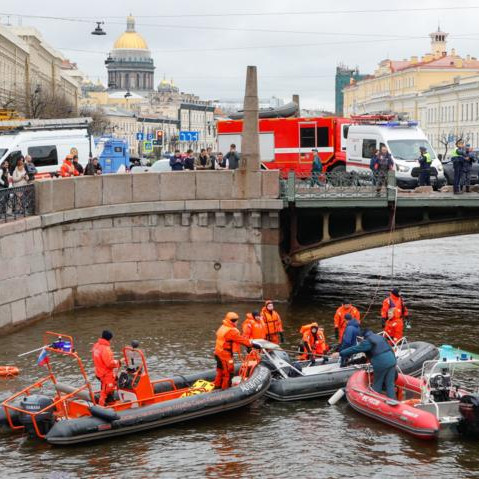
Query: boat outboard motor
{"x": 469, "y": 409}
{"x": 34, "y": 404}
{"x": 441, "y": 386}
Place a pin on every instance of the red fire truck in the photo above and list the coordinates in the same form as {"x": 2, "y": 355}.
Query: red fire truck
{"x": 287, "y": 143}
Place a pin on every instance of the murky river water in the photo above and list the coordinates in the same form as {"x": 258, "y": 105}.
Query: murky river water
{"x": 307, "y": 439}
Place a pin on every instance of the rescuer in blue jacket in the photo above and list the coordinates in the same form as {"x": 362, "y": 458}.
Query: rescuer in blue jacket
{"x": 352, "y": 331}
{"x": 457, "y": 158}
{"x": 382, "y": 359}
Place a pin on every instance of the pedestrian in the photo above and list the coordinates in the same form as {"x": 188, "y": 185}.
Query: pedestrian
{"x": 5, "y": 178}
{"x": 469, "y": 159}
{"x": 316, "y": 168}
{"x": 228, "y": 341}
{"x": 105, "y": 365}
{"x": 91, "y": 167}
{"x": 274, "y": 325}
{"x": 382, "y": 164}
{"x": 233, "y": 158}
{"x": 176, "y": 161}
{"x": 382, "y": 358}
{"x": 20, "y": 175}
{"x": 30, "y": 167}
{"x": 77, "y": 165}
{"x": 189, "y": 161}
{"x": 221, "y": 162}
{"x": 67, "y": 169}
{"x": 340, "y": 320}
{"x": 209, "y": 152}
{"x": 372, "y": 162}
{"x": 203, "y": 162}
{"x": 425, "y": 162}
{"x": 457, "y": 158}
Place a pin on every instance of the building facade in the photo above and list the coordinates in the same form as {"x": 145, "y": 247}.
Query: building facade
{"x": 129, "y": 64}
{"x": 396, "y": 86}
{"x": 344, "y": 77}
{"x": 32, "y": 72}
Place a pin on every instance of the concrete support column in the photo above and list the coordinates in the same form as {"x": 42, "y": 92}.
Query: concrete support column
{"x": 250, "y": 156}
{"x": 326, "y": 236}
{"x": 359, "y": 222}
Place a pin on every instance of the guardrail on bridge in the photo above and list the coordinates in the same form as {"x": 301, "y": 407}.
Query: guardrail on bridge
{"x": 17, "y": 202}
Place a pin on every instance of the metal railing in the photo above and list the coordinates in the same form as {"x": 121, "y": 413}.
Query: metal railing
{"x": 336, "y": 184}
{"x": 17, "y": 202}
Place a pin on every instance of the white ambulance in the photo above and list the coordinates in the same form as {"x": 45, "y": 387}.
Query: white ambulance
{"x": 402, "y": 139}
{"x": 48, "y": 142}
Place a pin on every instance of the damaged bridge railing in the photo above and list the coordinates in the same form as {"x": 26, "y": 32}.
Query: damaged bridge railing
{"x": 17, "y": 202}
{"x": 337, "y": 184}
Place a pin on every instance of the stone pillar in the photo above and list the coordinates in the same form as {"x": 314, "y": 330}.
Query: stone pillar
{"x": 326, "y": 236}
{"x": 250, "y": 156}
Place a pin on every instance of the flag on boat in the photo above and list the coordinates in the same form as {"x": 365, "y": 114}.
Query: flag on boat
{"x": 43, "y": 358}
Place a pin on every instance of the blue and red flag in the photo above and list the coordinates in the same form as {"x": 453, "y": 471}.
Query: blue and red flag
{"x": 43, "y": 358}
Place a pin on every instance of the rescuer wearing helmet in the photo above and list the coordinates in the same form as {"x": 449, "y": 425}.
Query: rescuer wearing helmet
{"x": 425, "y": 162}
{"x": 274, "y": 325}
{"x": 105, "y": 366}
{"x": 228, "y": 341}
{"x": 340, "y": 321}
{"x": 394, "y": 300}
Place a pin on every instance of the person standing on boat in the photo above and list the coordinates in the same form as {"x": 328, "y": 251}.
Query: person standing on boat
{"x": 316, "y": 168}
{"x": 382, "y": 359}
{"x": 340, "y": 321}
{"x": 394, "y": 300}
{"x": 228, "y": 341}
{"x": 350, "y": 335}
{"x": 253, "y": 326}
{"x": 274, "y": 325}
{"x": 394, "y": 326}
{"x": 105, "y": 366}
{"x": 313, "y": 342}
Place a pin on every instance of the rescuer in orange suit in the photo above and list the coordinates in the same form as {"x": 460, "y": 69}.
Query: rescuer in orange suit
{"x": 274, "y": 325}
{"x": 105, "y": 366}
{"x": 313, "y": 341}
{"x": 394, "y": 300}
{"x": 228, "y": 341}
{"x": 340, "y": 321}
{"x": 394, "y": 326}
{"x": 67, "y": 169}
{"x": 253, "y": 326}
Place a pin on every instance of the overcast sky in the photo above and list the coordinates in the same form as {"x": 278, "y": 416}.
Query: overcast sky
{"x": 207, "y": 55}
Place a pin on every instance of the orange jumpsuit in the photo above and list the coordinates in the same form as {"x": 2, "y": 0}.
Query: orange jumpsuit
{"x": 340, "y": 321}
{"x": 274, "y": 325}
{"x": 105, "y": 365}
{"x": 394, "y": 302}
{"x": 228, "y": 340}
{"x": 312, "y": 343}
{"x": 253, "y": 329}
{"x": 394, "y": 327}
{"x": 67, "y": 169}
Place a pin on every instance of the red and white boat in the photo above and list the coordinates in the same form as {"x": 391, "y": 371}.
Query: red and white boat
{"x": 428, "y": 407}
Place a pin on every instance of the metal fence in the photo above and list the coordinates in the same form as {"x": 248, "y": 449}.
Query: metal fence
{"x": 17, "y": 202}
{"x": 336, "y": 184}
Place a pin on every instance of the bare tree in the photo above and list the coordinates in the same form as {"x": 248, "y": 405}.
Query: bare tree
{"x": 100, "y": 124}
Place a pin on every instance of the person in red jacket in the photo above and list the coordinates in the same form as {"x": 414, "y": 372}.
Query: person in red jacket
{"x": 340, "y": 321}
{"x": 254, "y": 327}
{"x": 274, "y": 325}
{"x": 394, "y": 326}
{"x": 394, "y": 300}
{"x": 67, "y": 169}
{"x": 105, "y": 365}
{"x": 313, "y": 342}
{"x": 228, "y": 341}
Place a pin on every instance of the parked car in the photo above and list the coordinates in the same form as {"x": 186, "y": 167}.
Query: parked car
{"x": 157, "y": 167}
{"x": 449, "y": 171}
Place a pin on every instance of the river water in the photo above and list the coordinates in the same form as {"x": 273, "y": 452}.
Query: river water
{"x": 308, "y": 439}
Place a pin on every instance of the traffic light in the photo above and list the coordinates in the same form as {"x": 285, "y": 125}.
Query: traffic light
{"x": 159, "y": 137}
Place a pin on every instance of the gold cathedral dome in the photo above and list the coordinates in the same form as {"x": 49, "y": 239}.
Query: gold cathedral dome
{"x": 130, "y": 40}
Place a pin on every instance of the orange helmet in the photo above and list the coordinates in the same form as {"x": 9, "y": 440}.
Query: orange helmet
{"x": 232, "y": 316}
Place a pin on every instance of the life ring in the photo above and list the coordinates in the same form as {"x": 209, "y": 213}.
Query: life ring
{"x": 8, "y": 371}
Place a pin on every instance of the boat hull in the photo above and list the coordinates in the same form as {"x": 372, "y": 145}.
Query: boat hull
{"x": 326, "y": 383}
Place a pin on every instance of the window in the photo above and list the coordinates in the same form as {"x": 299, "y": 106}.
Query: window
{"x": 118, "y": 149}
{"x": 345, "y": 131}
{"x": 322, "y": 133}
{"x": 369, "y": 148}
{"x": 307, "y": 137}
{"x": 44, "y": 155}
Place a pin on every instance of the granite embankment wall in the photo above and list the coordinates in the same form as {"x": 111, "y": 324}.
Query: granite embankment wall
{"x": 99, "y": 240}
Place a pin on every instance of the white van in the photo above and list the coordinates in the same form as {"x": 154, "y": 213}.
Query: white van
{"x": 48, "y": 142}
{"x": 402, "y": 139}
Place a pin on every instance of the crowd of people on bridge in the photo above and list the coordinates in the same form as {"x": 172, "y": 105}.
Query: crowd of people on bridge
{"x": 206, "y": 160}
{"x": 351, "y": 337}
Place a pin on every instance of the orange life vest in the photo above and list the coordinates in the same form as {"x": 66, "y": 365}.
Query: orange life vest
{"x": 229, "y": 339}
{"x": 103, "y": 358}
{"x": 253, "y": 329}
{"x": 394, "y": 327}
{"x": 272, "y": 321}
{"x": 316, "y": 342}
{"x": 394, "y": 302}
{"x": 340, "y": 321}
